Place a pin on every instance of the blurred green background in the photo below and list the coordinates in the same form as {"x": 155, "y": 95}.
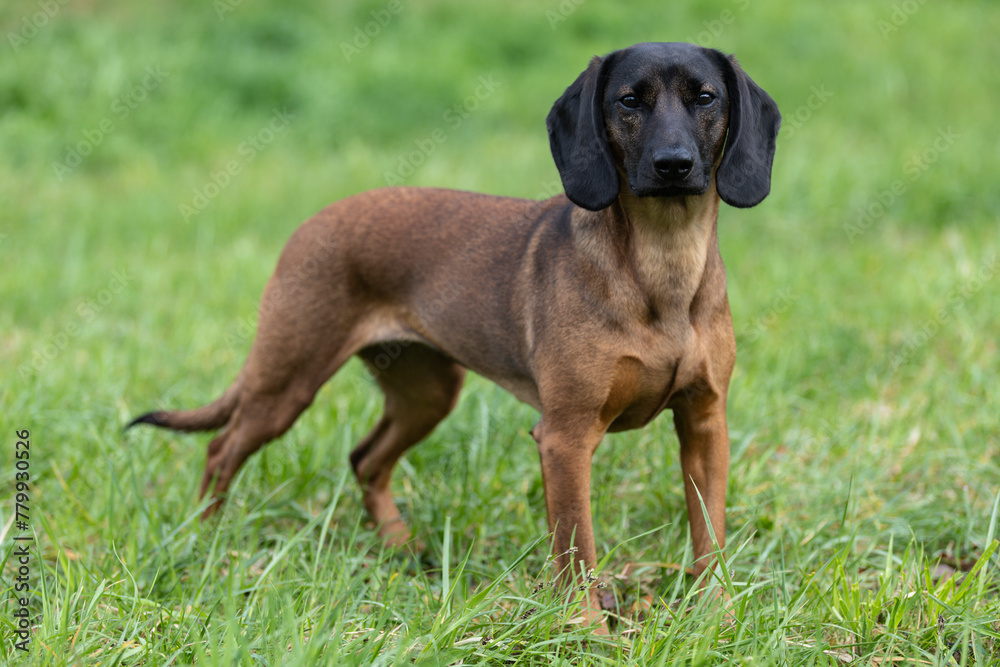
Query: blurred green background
{"x": 155, "y": 156}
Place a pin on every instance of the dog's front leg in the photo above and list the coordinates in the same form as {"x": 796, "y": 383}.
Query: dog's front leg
{"x": 704, "y": 437}
{"x": 566, "y": 453}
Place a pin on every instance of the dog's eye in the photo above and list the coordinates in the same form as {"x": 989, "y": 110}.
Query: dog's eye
{"x": 629, "y": 102}
{"x": 705, "y": 99}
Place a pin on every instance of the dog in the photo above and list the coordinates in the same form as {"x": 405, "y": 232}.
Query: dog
{"x": 600, "y": 307}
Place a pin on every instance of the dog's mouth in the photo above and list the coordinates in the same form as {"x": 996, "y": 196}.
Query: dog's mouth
{"x": 670, "y": 189}
{"x": 647, "y": 185}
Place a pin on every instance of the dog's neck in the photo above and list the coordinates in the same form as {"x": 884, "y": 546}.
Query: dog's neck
{"x": 663, "y": 243}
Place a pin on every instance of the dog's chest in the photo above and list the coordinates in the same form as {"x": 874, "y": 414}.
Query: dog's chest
{"x": 655, "y": 370}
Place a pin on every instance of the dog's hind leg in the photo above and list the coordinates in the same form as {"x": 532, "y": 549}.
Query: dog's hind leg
{"x": 421, "y": 387}
{"x": 259, "y": 418}
{"x": 297, "y": 348}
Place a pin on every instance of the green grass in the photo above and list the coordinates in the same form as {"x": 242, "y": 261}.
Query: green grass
{"x": 863, "y": 410}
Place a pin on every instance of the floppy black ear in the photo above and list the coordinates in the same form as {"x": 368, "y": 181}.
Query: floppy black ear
{"x": 744, "y": 175}
{"x": 579, "y": 143}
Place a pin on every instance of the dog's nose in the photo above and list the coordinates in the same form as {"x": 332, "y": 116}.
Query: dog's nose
{"x": 673, "y": 162}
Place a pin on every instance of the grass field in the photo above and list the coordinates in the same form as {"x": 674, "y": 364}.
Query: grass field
{"x": 154, "y": 157}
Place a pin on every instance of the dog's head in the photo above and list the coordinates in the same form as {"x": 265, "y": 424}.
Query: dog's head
{"x": 663, "y": 116}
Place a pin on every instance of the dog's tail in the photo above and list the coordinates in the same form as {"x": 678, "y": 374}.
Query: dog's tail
{"x": 207, "y": 418}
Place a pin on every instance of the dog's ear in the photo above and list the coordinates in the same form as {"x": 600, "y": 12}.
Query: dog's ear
{"x": 579, "y": 141}
{"x": 744, "y": 175}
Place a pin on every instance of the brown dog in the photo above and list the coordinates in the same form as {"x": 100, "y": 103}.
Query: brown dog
{"x": 600, "y": 307}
